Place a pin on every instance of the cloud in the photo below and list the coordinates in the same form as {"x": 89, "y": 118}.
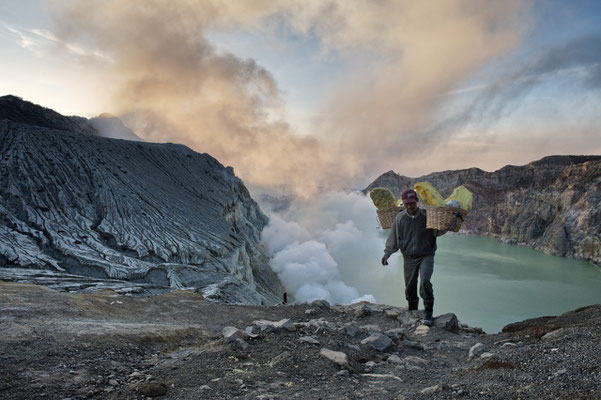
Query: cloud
{"x": 579, "y": 58}
{"x": 70, "y": 48}
{"x": 25, "y": 41}
{"x": 40, "y": 42}
{"x": 169, "y": 82}
{"x": 479, "y": 126}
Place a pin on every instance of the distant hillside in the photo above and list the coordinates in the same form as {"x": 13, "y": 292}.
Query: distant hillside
{"x": 15, "y": 109}
{"x": 553, "y": 204}
{"x": 136, "y": 217}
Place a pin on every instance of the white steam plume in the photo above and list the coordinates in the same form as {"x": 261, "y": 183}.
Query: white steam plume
{"x": 329, "y": 247}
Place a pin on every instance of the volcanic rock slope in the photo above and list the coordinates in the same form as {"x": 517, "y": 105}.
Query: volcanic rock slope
{"x": 178, "y": 345}
{"x": 79, "y": 211}
{"x": 553, "y": 204}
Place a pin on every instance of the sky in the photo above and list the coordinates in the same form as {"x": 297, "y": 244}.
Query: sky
{"x": 302, "y": 95}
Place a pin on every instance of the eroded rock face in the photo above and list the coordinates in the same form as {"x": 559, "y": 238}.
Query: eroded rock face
{"x": 553, "y": 204}
{"x": 157, "y": 215}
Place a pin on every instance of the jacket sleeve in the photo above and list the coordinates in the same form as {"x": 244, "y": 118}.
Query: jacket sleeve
{"x": 392, "y": 243}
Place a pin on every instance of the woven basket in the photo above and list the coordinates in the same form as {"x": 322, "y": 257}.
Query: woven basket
{"x": 386, "y": 216}
{"x": 445, "y": 218}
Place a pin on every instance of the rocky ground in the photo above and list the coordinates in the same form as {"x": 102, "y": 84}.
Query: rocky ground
{"x": 106, "y": 345}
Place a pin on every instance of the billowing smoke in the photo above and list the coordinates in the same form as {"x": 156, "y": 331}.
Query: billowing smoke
{"x": 169, "y": 83}
{"x": 329, "y": 248}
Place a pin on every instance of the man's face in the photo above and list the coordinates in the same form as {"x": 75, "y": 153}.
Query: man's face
{"x": 411, "y": 207}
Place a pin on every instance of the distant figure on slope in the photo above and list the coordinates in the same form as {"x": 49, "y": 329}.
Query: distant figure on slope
{"x": 418, "y": 245}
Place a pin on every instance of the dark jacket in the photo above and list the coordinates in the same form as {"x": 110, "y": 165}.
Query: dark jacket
{"x": 409, "y": 234}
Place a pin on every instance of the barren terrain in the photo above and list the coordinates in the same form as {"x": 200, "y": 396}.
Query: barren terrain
{"x": 106, "y": 345}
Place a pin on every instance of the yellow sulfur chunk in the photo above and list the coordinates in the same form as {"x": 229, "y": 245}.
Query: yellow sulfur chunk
{"x": 382, "y": 198}
{"x": 462, "y": 196}
{"x": 429, "y": 194}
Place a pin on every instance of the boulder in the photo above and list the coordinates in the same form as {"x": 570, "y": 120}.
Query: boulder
{"x": 377, "y": 341}
{"x": 448, "y": 322}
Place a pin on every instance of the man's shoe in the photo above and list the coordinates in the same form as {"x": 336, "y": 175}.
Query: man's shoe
{"x": 428, "y": 320}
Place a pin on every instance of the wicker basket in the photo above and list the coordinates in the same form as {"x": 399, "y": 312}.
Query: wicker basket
{"x": 386, "y": 216}
{"x": 445, "y": 218}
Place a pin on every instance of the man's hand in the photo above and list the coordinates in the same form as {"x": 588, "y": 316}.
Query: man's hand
{"x": 384, "y": 260}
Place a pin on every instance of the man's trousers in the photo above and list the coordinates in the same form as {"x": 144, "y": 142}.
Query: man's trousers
{"x": 419, "y": 268}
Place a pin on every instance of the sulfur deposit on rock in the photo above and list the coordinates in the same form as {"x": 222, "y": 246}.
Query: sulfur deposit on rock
{"x": 82, "y": 212}
{"x": 553, "y": 204}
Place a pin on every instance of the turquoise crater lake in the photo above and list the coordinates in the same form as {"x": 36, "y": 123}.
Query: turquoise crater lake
{"x": 489, "y": 284}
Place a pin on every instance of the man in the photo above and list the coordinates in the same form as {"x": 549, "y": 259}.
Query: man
{"x": 418, "y": 245}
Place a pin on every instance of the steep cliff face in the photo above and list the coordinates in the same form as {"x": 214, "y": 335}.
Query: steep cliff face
{"x": 553, "y": 204}
{"x": 158, "y": 216}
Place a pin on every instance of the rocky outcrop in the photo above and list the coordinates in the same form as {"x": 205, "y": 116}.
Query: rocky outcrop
{"x": 156, "y": 216}
{"x": 553, "y": 204}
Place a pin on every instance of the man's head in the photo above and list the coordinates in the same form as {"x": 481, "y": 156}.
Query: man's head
{"x": 409, "y": 198}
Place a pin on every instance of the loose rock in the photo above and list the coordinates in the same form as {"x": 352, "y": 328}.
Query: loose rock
{"x": 362, "y": 312}
{"x": 337, "y": 357}
{"x": 271, "y": 326}
{"x": 556, "y": 334}
{"x": 321, "y": 305}
{"x": 308, "y": 339}
{"x": 231, "y": 334}
{"x": 154, "y": 389}
{"x": 422, "y": 330}
{"x": 350, "y": 329}
{"x": 283, "y": 359}
{"x": 476, "y": 350}
{"x": 396, "y": 333}
{"x": 377, "y": 341}
{"x": 371, "y": 329}
{"x": 448, "y": 322}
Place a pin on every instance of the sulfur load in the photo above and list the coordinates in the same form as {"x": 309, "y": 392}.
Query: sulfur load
{"x": 429, "y": 194}
{"x": 462, "y": 196}
{"x": 382, "y": 198}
